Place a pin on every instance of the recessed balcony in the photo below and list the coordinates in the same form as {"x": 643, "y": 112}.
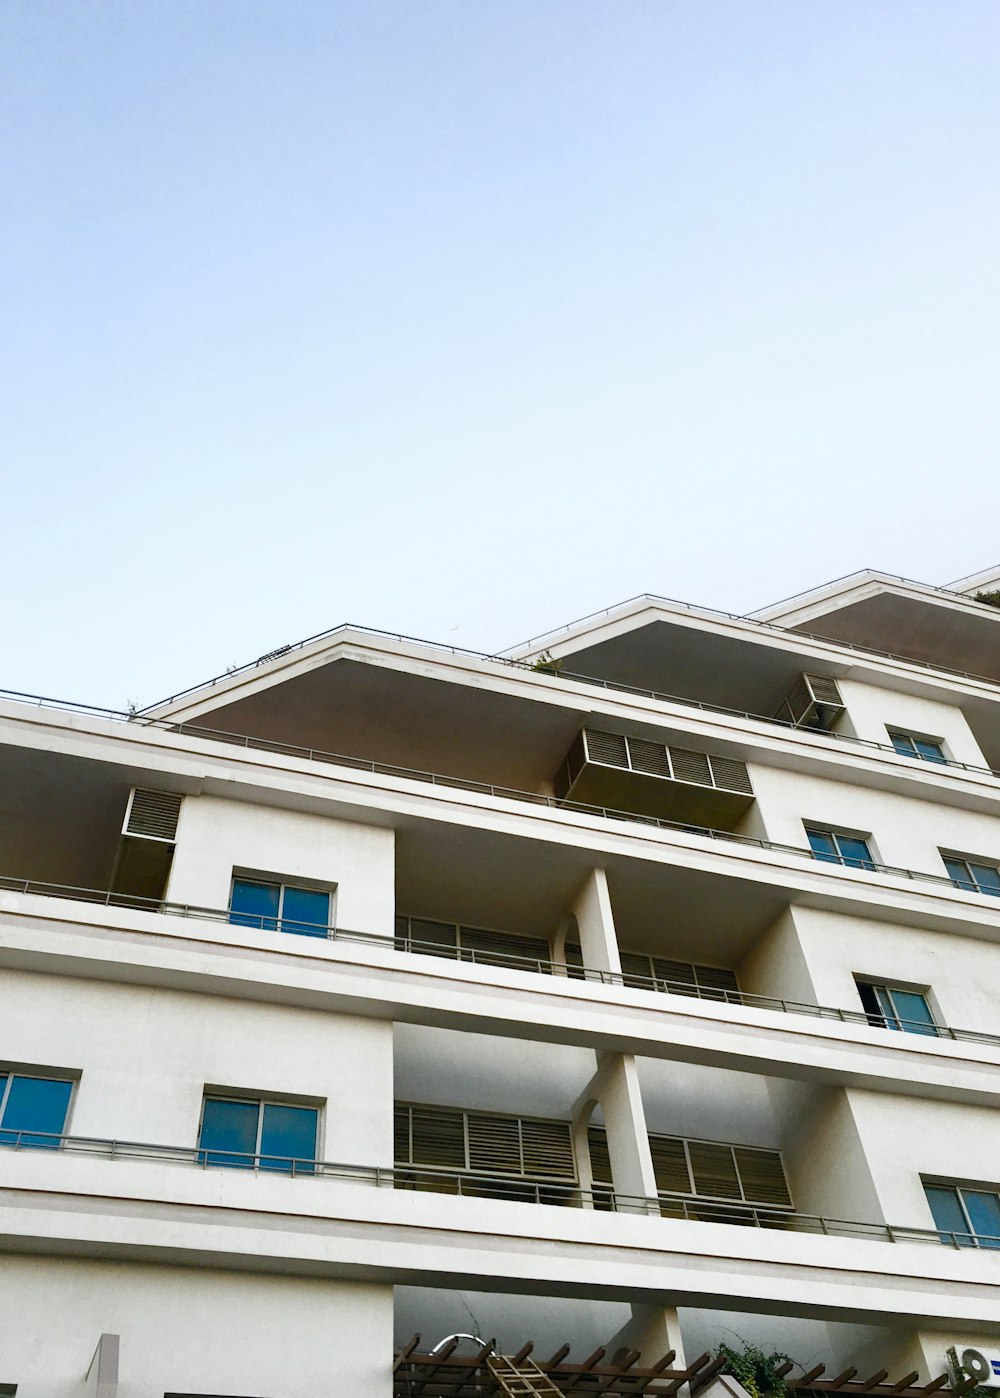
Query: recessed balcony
{"x": 628, "y": 773}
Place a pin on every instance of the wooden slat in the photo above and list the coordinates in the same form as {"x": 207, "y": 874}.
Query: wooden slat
{"x": 843, "y": 1378}
{"x": 905, "y": 1383}
{"x": 406, "y": 1351}
{"x": 873, "y": 1382}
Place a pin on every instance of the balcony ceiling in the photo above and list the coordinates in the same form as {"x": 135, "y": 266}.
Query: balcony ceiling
{"x": 370, "y": 711}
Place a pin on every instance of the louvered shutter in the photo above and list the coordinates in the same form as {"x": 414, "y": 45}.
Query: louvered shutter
{"x": 681, "y": 974}
{"x": 608, "y": 748}
{"x": 649, "y": 757}
{"x": 691, "y": 766}
{"x": 762, "y": 1176}
{"x": 433, "y": 938}
{"x": 716, "y": 979}
{"x": 670, "y": 1164}
{"x": 497, "y": 948}
{"x": 547, "y": 1148}
{"x": 494, "y": 1144}
{"x": 153, "y": 814}
{"x": 635, "y": 969}
{"x": 438, "y": 1137}
{"x": 600, "y": 1156}
{"x": 731, "y": 775}
{"x": 574, "y": 962}
{"x": 714, "y": 1170}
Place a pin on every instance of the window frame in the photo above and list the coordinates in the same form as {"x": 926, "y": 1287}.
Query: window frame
{"x": 282, "y": 883}
{"x": 261, "y": 1100}
{"x": 950, "y": 1237}
{"x": 43, "y": 1075}
{"x": 969, "y": 884}
{"x": 905, "y": 735}
{"x": 836, "y": 834}
{"x": 929, "y": 1030}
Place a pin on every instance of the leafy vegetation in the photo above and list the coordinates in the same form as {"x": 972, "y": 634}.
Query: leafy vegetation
{"x": 992, "y": 599}
{"x": 755, "y": 1370}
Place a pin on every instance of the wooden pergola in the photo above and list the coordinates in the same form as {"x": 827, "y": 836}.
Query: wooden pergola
{"x": 446, "y": 1374}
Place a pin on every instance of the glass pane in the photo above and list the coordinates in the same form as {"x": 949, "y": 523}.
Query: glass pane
{"x": 987, "y": 878}
{"x": 930, "y": 752}
{"x": 254, "y": 904}
{"x": 822, "y": 845}
{"x": 948, "y": 1215}
{"x": 35, "y": 1104}
{"x": 872, "y": 1003}
{"x": 229, "y": 1129}
{"x": 983, "y": 1209}
{"x": 886, "y": 1006}
{"x": 289, "y": 1133}
{"x": 959, "y": 871}
{"x": 902, "y": 744}
{"x": 306, "y": 912}
{"x": 856, "y": 852}
{"x": 914, "y": 1012}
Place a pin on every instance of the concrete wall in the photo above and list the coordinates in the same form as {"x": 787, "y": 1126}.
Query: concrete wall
{"x": 190, "y": 1331}
{"x": 215, "y": 836}
{"x": 143, "y": 1079}
{"x": 871, "y": 711}
{"x": 906, "y": 832}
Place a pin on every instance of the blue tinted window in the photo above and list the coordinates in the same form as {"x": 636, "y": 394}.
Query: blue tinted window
{"x": 987, "y": 878}
{"x": 903, "y": 745}
{"x": 288, "y": 1133}
{"x": 914, "y": 1012}
{"x": 229, "y": 1130}
{"x": 959, "y": 872}
{"x": 983, "y": 1209}
{"x": 822, "y": 845}
{"x": 856, "y": 852}
{"x": 948, "y": 1215}
{"x": 930, "y": 752}
{"x": 305, "y": 911}
{"x": 35, "y": 1104}
{"x": 255, "y": 904}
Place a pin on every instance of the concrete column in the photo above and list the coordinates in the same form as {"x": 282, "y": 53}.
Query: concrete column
{"x": 653, "y": 1331}
{"x": 596, "y": 924}
{"x": 615, "y": 1086}
{"x": 102, "y": 1376}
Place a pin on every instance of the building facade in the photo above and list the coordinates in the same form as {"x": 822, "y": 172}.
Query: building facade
{"x": 635, "y": 991}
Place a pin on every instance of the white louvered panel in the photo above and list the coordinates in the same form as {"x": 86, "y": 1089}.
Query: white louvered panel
{"x": 670, "y": 1164}
{"x": 607, "y": 748}
{"x": 731, "y": 775}
{"x": 494, "y": 1144}
{"x": 547, "y": 1148}
{"x": 714, "y": 1170}
{"x": 600, "y": 1156}
{"x": 153, "y": 814}
{"x": 824, "y": 689}
{"x": 498, "y": 948}
{"x": 691, "y": 766}
{"x": 437, "y": 1137}
{"x": 762, "y": 1176}
{"x": 649, "y": 757}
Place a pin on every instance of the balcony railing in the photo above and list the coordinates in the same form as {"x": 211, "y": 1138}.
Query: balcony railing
{"x": 510, "y": 1189}
{"x": 502, "y": 960}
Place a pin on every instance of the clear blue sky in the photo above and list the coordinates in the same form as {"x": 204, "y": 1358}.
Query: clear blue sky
{"x": 467, "y": 317}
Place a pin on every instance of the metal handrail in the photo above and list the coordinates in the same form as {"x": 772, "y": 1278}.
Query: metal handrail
{"x": 497, "y": 959}
{"x": 513, "y": 1188}
{"x": 144, "y": 717}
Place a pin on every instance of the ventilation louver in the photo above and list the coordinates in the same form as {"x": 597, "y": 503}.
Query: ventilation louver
{"x": 152, "y": 815}
{"x": 814, "y": 702}
{"x": 707, "y": 1170}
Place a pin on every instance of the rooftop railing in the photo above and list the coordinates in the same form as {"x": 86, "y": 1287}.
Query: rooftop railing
{"x": 492, "y": 959}
{"x": 513, "y": 1189}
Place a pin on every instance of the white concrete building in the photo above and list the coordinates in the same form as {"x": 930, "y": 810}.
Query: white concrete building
{"x": 636, "y": 991}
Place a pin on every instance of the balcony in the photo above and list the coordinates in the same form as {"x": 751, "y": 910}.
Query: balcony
{"x": 629, "y": 773}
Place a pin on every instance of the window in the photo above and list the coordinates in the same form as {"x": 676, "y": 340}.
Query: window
{"x": 833, "y": 848}
{"x": 708, "y": 1170}
{"x": 33, "y": 1105}
{"x": 246, "y": 1132}
{"x": 909, "y": 745}
{"x": 968, "y": 1217}
{"x": 657, "y": 973}
{"x": 893, "y": 1008}
{"x": 973, "y": 876}
{"x": 280, "y": 906}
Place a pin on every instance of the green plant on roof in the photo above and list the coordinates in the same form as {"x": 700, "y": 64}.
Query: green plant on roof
{"x": 547, "y": 664}
{"x": 992, "y": 599}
